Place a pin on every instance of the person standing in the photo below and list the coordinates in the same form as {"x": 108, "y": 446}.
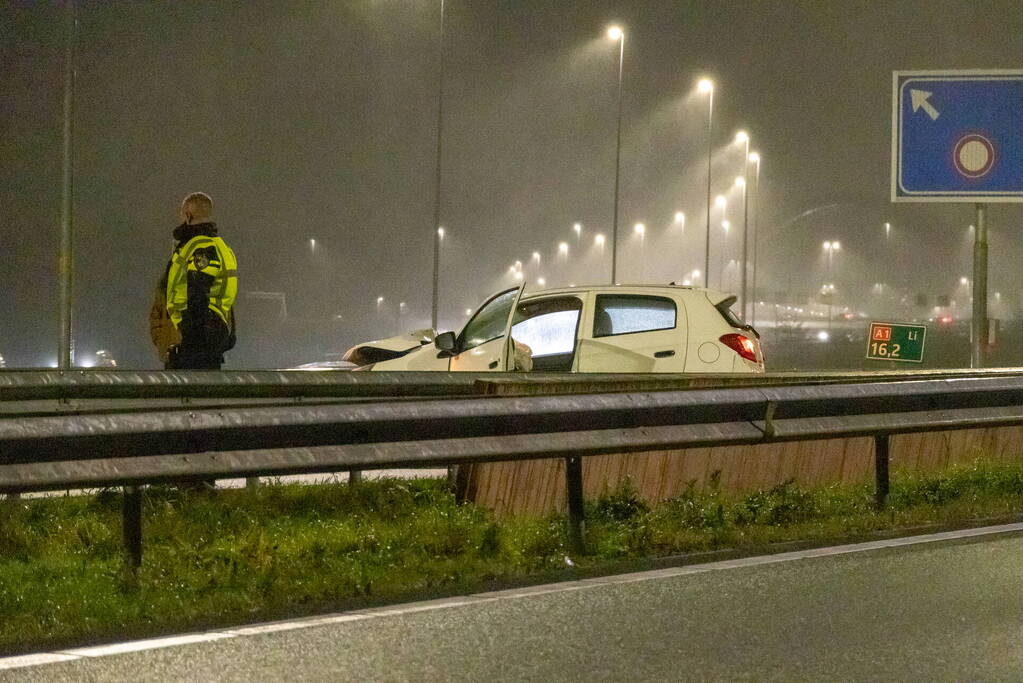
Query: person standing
{"x": 201, "y": 286}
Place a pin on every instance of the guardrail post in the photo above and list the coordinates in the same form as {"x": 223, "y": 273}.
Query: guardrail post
{"x": 576, "y": 512}
{"x": 131, "y": 525}
{"x": 881, "y": 480}
{"x": 354, "y": 477}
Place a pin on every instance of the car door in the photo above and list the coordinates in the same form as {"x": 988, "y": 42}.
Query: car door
{"x": 483, "y": 344}
{"x": 546, "y": 330}
{"x": 634, "y": 332}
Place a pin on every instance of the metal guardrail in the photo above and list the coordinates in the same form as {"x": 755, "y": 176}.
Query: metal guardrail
{"x": 90, "y": 450}
{"x": 94, "y": 384}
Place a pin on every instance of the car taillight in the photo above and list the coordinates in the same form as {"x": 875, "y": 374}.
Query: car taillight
{"x": 744, "y": 346}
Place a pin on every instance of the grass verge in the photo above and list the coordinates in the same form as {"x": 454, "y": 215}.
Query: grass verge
{"x": 240, "y": 556}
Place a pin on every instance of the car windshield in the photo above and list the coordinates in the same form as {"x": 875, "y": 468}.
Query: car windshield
{"x": 489, "y": 322}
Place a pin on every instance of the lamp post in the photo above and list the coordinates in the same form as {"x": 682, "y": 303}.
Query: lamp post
{"x": 726, "y": 225}
{"x": 754, "y": 157}
{"x": 830, "y": 247}
{"x": 721, "y": 203}
{"x": 616, "y": 33}
{"x": 706, "y": 86}
{"x": 742, "y": 137}
{"x": 436, "y": 196}
{"x": 66, "y": 350}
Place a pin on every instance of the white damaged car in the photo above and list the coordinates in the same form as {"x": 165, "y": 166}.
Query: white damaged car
{"x": 610, "y": 329}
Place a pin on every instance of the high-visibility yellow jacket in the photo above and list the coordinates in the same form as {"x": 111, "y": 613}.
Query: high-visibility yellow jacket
{"x": 206, "y": 265}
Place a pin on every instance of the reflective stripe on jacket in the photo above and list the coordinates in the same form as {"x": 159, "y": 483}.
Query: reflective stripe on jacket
{"x": 220, "y": 264}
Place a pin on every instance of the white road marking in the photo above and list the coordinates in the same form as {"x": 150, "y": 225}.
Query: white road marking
{"x": 33, "y": 660}
{"x": 481, "y": 598}
{"x": 150, "y": 644}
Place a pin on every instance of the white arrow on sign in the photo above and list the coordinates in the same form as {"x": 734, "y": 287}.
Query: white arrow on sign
{"x": 920, "y": 101}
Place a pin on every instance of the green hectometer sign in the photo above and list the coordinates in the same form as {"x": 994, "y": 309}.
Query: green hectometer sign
{"x": 893, "y": 341}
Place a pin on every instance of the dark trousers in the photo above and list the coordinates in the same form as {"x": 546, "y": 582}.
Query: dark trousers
{"x": 202, "y": 346}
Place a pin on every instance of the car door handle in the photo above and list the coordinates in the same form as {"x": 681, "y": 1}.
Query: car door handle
{"x": 493, "y": 364}
{"x": 665, "y": 354}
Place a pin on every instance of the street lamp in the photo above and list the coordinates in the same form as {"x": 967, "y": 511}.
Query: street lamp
{"x": 616, "y": 33}
{"x": 578, "y": 228}
{"x": 680, "y": 218}
{"x": 742, "y": 138}
{"x": 754, "y": 158}
{"x": 437, "y": 176}
{"x": 831, "y": 247}
{"x": 536, "y": 257}
{"x": 706, "y": 87}
{"x": 563, "y": 251}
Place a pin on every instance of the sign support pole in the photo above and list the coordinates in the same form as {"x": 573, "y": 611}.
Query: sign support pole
{"x": 979, "y": 324}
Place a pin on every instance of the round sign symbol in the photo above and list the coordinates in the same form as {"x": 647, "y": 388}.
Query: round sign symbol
{"x": 974, "y": 155}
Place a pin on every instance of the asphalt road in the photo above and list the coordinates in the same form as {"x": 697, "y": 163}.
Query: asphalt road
{"x": 934, "y": 611}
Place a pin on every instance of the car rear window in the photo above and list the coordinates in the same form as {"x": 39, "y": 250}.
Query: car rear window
{"x": 630, "y": 313}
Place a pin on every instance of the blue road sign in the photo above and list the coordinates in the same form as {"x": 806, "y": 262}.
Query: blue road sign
{"x": 957, "y": 136}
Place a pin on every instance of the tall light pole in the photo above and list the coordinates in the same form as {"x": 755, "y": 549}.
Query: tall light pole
{"x": 742, "y": 137}
{"x": 754, "y": 158}
{"x": 706, "y": 86}
{"x": 830, "y": 247}
{"x": 66, "y": 351}
{"x": 722, "y": 203}
{"x": 438, "y": 231}
{"x": 616, "y": 33}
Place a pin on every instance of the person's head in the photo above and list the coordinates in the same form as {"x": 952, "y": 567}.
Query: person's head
{"x": 197, "y": 208}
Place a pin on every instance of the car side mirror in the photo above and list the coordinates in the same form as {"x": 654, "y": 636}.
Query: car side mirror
{"x": 445, "y": 343}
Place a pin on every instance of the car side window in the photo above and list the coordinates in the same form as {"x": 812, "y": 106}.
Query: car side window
{"x": 488, "y": 323}
{"x": 628, "y": 313}
{"x": 548, "y": 326}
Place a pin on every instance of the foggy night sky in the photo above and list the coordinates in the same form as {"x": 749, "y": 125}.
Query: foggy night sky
{"x": 318, "y": 120}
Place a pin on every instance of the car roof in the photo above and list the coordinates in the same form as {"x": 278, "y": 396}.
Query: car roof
{"x": 714, "y": 295}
